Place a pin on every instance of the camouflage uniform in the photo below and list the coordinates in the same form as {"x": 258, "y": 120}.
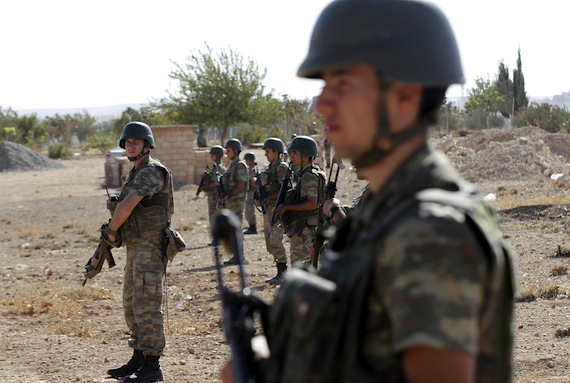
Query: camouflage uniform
{"x": 143, "y": 234}
{"x": 249, "y": 197}
{"x": 211, "y": 193}
{"x": 426, "y": 271}
{"x": 310, "y": 183}
{"x": 236, "y": 172}
{"x": 272, "y": 178}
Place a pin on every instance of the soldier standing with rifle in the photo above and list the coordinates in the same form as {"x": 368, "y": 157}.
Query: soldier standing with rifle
{"x": 299, "y": 213}
{"x": 250, "y": 193}
{"x": 234, "y": 181}
{"x": 146, "y": 204}
{"x": 216, "y": 155}
{"x": 418, "y": 287}
{"x": 271, "y": 180}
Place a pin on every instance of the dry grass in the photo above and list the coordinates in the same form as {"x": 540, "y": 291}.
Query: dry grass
{"x": 533, "y": 292}
{"x": 67, "y": 306}
{"x": 511, "y": 199}
{"x": 559, "y": 270}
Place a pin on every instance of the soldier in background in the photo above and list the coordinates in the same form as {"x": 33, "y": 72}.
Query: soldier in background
{"x": 209, "y": 187}
{"x": 201, "y": 139}
{"x": 272, "y": 178}
{"x": 250, "y": 193}
{"x": 235, "y": 180}
{"x": 146, "y": 204}
{"x": 299, "y": 213}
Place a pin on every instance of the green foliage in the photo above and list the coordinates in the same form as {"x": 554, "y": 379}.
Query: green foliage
{"x": 478, "y": 120}
{"x": 519, "y": 91}
{"x": 484, "y": 100}
{"x": 505, "y": 88}
{"x": 102, "y": 141}
{"x": 549, "y": 117}
{"x": 299, "y": 117}
{"x": 59, "y": 150}
{"x": 219, "y": 91}
{"x": 248, "y": 134}
{"x": 146, "y": 114}
{"x": 449, "y": 118}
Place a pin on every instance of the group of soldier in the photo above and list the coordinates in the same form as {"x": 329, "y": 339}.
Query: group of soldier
{"x": 288, "y": 195}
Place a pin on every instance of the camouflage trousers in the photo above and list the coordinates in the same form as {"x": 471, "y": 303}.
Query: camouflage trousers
{"x": 212, "y": 205}
{"x": 301, "y": 245}
{"x": 250, "y": 208}
{"x": 274, "y": 243}
{"x": 236, "y": 205}
{"x": 142, "y": 296}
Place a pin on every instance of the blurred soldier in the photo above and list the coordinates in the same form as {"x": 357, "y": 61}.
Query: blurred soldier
{"x": 235, "y": 182}
{"x": 327, "y": 145}
{"x": 299, "y": 214}
{"x": 216, "y": 155}
{"x": 418, "y": 286}
{"x": 145, "y": 208}
{"x": 201, "y": 139}
{"x": 250, "y": 193}
{"x": 271, "y": 179}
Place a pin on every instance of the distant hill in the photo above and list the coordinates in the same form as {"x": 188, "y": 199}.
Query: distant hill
{"x": 102, "y": 113}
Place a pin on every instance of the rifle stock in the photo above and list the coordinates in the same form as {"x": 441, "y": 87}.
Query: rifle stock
{"x": 219, "y": 186}
{"x": 102, "y": 253}
{"x": 280, "y": 199}
{"x": 260, "y": 195}
{"x": 202, "y": 182}
{"x": 239, "y": 307}
{"x": 330, "y": 192}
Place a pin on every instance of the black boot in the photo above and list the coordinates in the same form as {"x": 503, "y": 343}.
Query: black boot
{"x": 278, "y": 279}
{"x": 252, "y": 230}
{"x": 150, "y": 372}
{"x": 136, "y": 362}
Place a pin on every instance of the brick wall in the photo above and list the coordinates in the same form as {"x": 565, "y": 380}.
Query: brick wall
{"x": 175, "y": 148}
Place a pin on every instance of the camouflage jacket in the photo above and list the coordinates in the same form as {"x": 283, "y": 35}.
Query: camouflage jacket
{"x": 272, "y": 177}
{"x": 423, "y": 263}
{"x": 237, "y": 171}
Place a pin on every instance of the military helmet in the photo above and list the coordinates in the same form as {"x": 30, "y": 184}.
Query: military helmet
{"x": 234, "y": 144}
{"x": 406, "y": 41}
{"x": 249, "y": 156}
{"x": 217, "y": 150}
{"x": 136, "y": 129}
{"x": 275, "y": 144}
{"x": 305, "y": 145}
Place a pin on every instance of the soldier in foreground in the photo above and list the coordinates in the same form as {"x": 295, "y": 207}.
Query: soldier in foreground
{"x": 271, "y": 179}
{"x": 145, "y": 207}
{"x": 250, "y": 193}
{"x": 417, "y": 287}
{"x": 235, "y": 181}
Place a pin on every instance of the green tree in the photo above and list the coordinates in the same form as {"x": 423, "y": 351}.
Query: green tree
{"x": 86, "y": 126}
{"x": 519, "y": 91}
{"x": 146, "y": 114}
{"x": 216, "y": 91}
{"x": 505, "y": 88}
{"x": 484, "y": 99}
{"x": 449, "y": 117}
{"x": 30, "y": 131}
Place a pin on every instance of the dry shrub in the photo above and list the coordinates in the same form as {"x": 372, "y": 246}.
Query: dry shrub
{"x": 534, "y": 292}
{"x": 559, "y": 270}
{"x": 66, "y": 305}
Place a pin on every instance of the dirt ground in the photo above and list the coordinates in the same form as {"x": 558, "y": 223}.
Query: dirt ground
{"x": 54, "y": 330}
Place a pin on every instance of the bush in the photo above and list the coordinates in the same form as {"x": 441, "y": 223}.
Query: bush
{"x": 549, "y": 117}
{"x": 256, "y": 134}
{"x": 59, "y": 150}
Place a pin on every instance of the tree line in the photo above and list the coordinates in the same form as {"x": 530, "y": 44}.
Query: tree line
{"x": 219, "y": 91}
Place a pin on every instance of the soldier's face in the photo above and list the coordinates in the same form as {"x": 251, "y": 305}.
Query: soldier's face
{"x": 349, "y": 103}
{"x": 230, "y": 153}
{"x": 271, "y": 155}
{"x": 296, "y": 157}
{"x": 133, "y": 146}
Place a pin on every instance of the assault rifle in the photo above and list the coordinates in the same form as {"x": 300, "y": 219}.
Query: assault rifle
{"x": 219, "y": 186}
{"x": 280, "y": 199}
{"x": 329, "y": 193}
{"x": 102, "y": 253}
{"x": 239, "y": 307}
{"x": 202, "y": 182}
{"x": 260, "y": 195}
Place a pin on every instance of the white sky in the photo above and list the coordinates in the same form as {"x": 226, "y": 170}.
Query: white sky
{"x": 69, "y": 53}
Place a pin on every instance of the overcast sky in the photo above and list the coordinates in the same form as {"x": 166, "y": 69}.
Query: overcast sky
{"x": 64, "y": 53}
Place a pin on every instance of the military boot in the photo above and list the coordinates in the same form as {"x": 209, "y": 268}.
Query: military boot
{"x": 251, "y": 230}
{"x": 150, "y": 372}
{"x": 136, "y": 362}
{"x": 278, "y": 279}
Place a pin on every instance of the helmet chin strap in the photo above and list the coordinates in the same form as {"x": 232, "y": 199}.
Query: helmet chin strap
{"x": 140, "y": 155}
{"x": 384, "y": 141}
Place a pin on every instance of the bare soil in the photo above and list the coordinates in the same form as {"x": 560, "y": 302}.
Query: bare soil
{"x": 54, "y": 330}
